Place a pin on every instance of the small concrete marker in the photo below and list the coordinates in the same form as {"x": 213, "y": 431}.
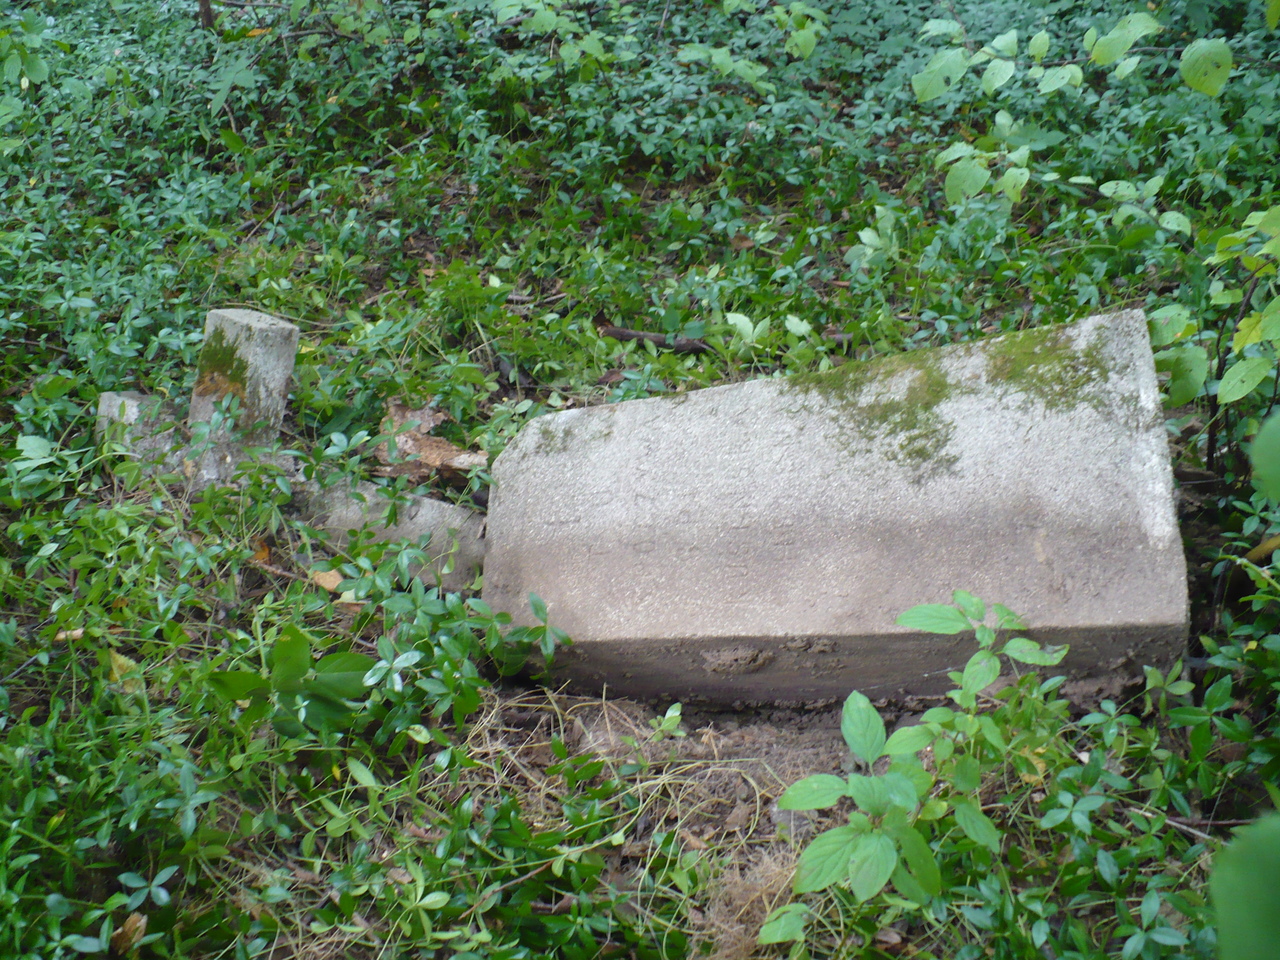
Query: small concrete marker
{"x": 248, "y": 355}
{"x": 757, "y": 541}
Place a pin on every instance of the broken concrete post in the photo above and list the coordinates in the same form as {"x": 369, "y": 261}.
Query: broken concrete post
{"x": 248, "y": 355}
{"x": 757, "y": 541}
{"x": 457, "y": 534}
{"x": 144, "y": 424}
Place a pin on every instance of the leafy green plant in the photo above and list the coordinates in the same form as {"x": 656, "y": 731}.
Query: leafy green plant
{"x": 297, "y": 692}
{"x": 1246, "y": 878}
{"x": 965, "y": 846}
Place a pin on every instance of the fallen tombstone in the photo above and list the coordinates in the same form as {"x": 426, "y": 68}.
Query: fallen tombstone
{"x": 454, "y": 553}
{"x": 757, "y": 541}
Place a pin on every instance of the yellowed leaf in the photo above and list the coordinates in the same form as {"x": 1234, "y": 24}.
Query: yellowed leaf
{"x": 328, "y": 579}
{"x": 121, "y": 667}
{"x": 258, "y": 31}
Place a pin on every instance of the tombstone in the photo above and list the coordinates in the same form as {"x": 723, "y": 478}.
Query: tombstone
{"x": 249, "y": 356}
{"x": 455, "y": 551}
{"x": 757, "y": 541}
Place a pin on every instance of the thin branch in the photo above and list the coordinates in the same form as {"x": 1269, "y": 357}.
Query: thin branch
{"x": 677, "y": 345}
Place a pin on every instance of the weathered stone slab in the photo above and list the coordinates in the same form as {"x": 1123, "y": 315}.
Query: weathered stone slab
{"x": 457, "y": 534}
{"x": 757, "y": 541}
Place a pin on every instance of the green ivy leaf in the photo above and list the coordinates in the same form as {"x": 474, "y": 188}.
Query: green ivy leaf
{"x": 977, "y": 826}
{"x": 1205, "y": 65}
{"x": 1188, "y": 367}
{"x": 1028, "y": 651}
{"x": 813, "y": 793}
{"x": 1273, "y": 13}
{"x": 942, "y": 73}
{"x": 1240, "y": 380}
{"x": 965, "y": 179}
{"x": 871, "y": 864}
{"x": 862, "y": 728}
{"x": 935, "y": 618}
{"x": 1245, "y": 889}
{"x": 826, "y": 860}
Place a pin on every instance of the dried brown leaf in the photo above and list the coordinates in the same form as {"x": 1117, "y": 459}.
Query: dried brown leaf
{"x": 411, "y": 426}
{"x": 328, "y": 579}
{"x": 125, "y": 939}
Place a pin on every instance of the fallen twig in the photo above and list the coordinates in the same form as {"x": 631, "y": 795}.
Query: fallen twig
{"x": 677, "y": 345}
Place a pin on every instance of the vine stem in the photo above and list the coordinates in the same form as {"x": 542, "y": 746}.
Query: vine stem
{"x": 1211, "y": 453}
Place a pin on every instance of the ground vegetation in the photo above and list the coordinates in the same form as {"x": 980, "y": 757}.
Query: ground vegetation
{"x": 224, "y": 735}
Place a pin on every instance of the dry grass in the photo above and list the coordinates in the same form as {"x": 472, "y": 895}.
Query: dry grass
{"x": 713, "y": 789}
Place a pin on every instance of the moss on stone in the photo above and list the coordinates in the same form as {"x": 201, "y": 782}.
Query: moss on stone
{"x": 556, "y": 435}
{"x": 1048, "y": 366}
{"x": 891, "y": 397}
{"x": 892, "y": 403}
{"x": 221, "y": 370}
